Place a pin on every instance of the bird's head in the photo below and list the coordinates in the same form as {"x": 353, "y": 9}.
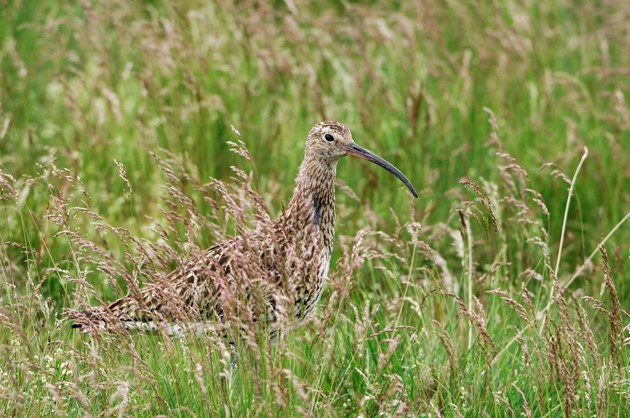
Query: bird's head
{"x": 327, "y": 142}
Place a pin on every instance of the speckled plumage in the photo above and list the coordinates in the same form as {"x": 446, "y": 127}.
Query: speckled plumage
{"x": 276, "y": 272}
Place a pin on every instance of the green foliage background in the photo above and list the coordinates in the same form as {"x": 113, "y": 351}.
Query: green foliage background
{"x": 86, "y": 84}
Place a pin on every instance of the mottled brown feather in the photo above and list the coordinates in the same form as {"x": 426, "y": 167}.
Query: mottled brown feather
{"x": 286, "y": 264}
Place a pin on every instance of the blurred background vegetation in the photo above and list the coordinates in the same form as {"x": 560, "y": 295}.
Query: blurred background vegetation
{"x": 87, "y": 83}
{"x": 88, "y": 89}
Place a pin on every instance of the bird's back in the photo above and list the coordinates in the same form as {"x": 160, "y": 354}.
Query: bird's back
{"x": 273, "y": 274}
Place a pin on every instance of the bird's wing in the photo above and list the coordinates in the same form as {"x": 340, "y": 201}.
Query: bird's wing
{"x": 196, "y": 292}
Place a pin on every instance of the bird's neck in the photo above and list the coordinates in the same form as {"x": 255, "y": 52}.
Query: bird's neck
{"x": 313, "y": 202}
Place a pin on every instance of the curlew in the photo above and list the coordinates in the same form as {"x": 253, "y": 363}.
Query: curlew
{"x": 275, "y": 273}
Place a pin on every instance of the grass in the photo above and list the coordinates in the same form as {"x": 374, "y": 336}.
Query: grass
{"x": 115, "y": 118}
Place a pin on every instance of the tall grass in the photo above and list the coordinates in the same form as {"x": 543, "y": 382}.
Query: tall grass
{"x": 482, "y": 297}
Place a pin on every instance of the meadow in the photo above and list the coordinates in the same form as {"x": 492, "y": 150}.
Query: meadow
{"x": 133, "y": 134}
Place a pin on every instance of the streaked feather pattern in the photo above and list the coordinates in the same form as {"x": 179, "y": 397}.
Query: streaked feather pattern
{"x": 274, "y": 274}
{"x": 290, "y": 262}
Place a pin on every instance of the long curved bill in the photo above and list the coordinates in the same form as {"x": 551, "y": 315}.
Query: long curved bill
{"x": 357, "y": 151}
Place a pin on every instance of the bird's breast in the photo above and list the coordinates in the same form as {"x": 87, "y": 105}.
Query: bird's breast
{"x": 314, "y": 291}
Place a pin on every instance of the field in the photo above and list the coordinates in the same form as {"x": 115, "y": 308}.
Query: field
{"x": 133, "y": 134}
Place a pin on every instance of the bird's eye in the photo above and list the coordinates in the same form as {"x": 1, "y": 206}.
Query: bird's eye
{"x": 329, "y": 137}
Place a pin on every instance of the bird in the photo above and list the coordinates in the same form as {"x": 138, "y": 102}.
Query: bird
{"x": 274, "y": 274}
